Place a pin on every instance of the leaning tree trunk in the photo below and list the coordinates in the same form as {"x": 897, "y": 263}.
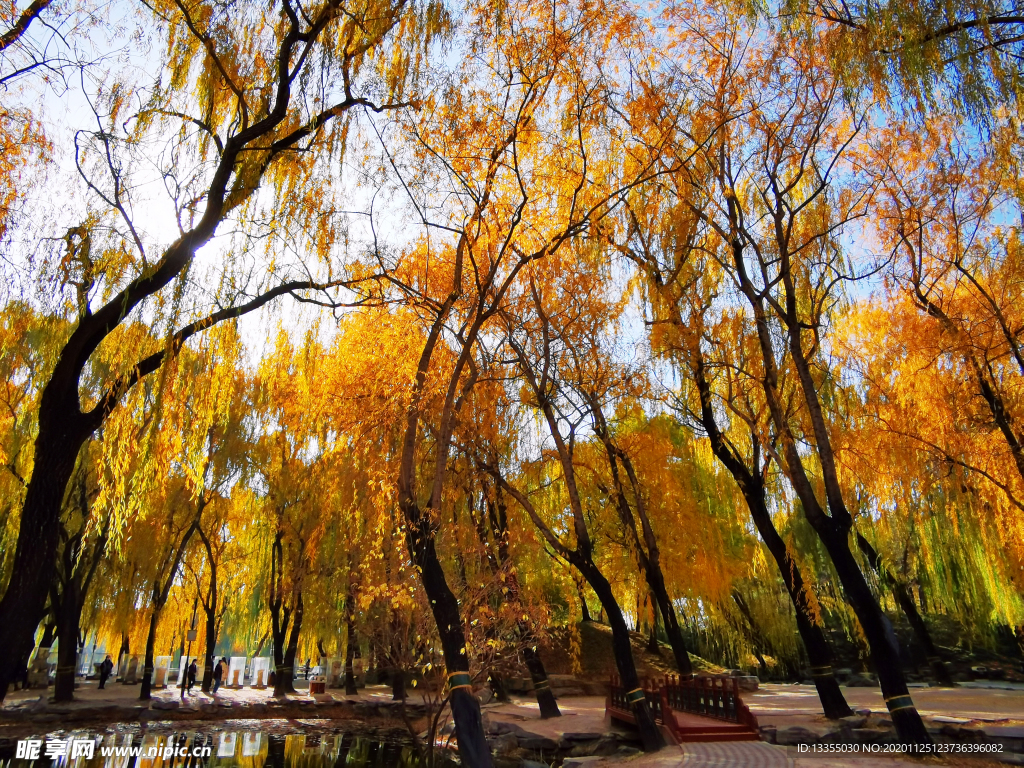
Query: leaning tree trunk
{"x": 650, "y": 735}
{"x": 653, "y": 646}
{"x": 538, "y": 675}
{"x": 819, "y": 652}
{"x": 751, "y": 484}
{"x": 885, "y": 649}
{"x": 160, "y": 595}
{"x": 62, "y": 432}
{"x": 915, "y": 619}
{"x": 649, "y": 560}
{"x": 541, "y": 684}
{"x": 469, "y": 728}
{"x": 656, "y": 582}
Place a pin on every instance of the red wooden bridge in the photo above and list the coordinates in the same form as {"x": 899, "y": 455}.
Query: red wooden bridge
{"x": 698, "y": 709}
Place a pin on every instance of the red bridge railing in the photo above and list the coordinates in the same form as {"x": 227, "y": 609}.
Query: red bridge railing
{"x": 714, "y": 697}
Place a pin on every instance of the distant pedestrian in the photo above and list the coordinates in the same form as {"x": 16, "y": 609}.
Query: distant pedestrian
{"x": 105, "y": 669}
{"x": 218, "y": 674}
{"x": 190, "y": 677}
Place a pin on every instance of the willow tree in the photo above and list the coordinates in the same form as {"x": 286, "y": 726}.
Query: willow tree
{"x": 947, "y": 217}
{"x": 258, "y": 101}
{"x": 928, "y": 55}
{"x": 547, "y": 331}
{"x": 294, "y": 454}
{"x": 518, "y": 186}
{"x": 568, "y": 357}
{"x": 773, "y": 195}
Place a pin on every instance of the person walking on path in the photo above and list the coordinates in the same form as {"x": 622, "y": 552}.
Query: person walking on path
{"x": 105, "y": 669}
{"x": 218, "y": 674}
{"x": 191, "y": 677}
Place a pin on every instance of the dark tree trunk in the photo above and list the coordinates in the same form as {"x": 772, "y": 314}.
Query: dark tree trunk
{"x": 77, "y": 567}
{"x": 584, "y": 608}
{"x": 885, "y": 649}
{"x": 541, "y": 685}
{"x": 652, "y": 641}
{"x": 160, "y": 595}
{"x": 398, "y": 684}
{"x": 61, "y": 434}
{"x": 473, "y": 749}
{"x": 834, "y": 529}
{"x": 498, "y": 518}
{"x": 751, "y": 484}
{"x": 67, "y": 647}
{"x": 819, "y": 652}
{"x": 656, "y": 581}
{"x": 650, "y": 735}
{"x": 350, "y": 655}
{"x": 210, "y": 608}
{"x": 906, "y": 601}
{"x": 211, "y": 644}
{"x": 649, "y": 559}
{"x": 498, "y": 689}
{"x": 147, "y": 671}
{"x": 830, "y": 518}
{"x": 279, "y": 620}
{"x": 49, "y": 634}
{"x": 211, "y": 649}
{"x": 285, "y": 680}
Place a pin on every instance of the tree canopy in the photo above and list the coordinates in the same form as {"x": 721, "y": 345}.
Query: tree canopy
{"x": 426, "y": 330}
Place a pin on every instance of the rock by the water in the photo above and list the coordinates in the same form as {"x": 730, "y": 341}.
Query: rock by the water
{"x": 535, "y": 742}
{"x": 498, "y": 727}
{"x": 748, "y": 683}
{"x": 796, "y": 734}
{"x": 872, "y": 735}
{"x": 504, "y": 744}
{"x": 862, "y": 681}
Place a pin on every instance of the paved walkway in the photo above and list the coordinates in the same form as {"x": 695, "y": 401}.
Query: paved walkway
{"x": 778, "y": 705}
{"x": 774, "y": 702}
{"x": 750, "y": 754}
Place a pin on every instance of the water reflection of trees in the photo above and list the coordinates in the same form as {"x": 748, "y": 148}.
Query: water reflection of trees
{"x": 253, "y": 749}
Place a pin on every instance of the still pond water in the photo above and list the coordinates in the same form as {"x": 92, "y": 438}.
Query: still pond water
{"x": 219, "y": 749}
